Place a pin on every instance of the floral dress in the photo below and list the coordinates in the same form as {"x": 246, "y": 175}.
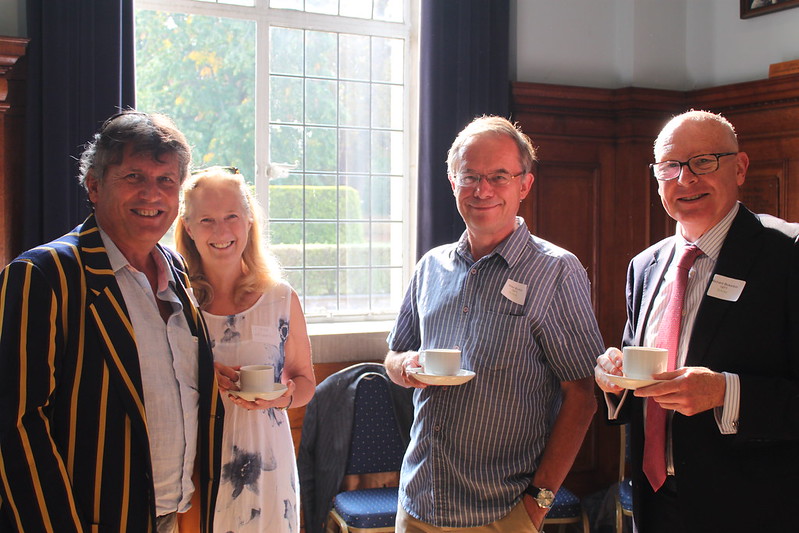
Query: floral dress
{"x": 258, "y": 490}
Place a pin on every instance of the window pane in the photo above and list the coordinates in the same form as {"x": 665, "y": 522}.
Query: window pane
{"x": 320, "y": 102}
{"x": 387, "y": 155}
{"x": 354, "y": 288}
{"x": 387, "y": 60}
{"x": 387, "y": 194}
{"x": 387, "y": 106}
{"x": 321, "y": 288}
{"x": 354, "y": 254}
{"x": 354, "y": 103}
{"x": 327, "y": 7}
{"x": 289, "y": 255}
{"x": 320, "y": 146}
{"x": 285, "y": 145}
{"x": 353, "y": 197}
{"x": 285, "y": 102}
{"x": 286, "y": 242}
{"x": 200, "y": 70}
{"x": 321, "y": 54}
{"x": 294, "y": 277}
{"x": 324, "y": 233}
{"x": 286, "y": 4}
{"x": 353, "y": 232}
{"x": 354, "y": 56}
{"x": 387, "y": 289}
{"x": 361, "y": 9}
{"x": 381, "y": 236}
{"x": 320, "y": 200}
{"x": 285, "y": 51}
{"x": 354, "y": 150}
{"x": 389, "y": 10}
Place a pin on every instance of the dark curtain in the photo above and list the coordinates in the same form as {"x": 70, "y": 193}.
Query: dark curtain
{"x": 81, "y": 71}
{"x": 464, "y": 74}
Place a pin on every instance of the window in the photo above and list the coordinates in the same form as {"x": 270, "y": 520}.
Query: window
{"x": 312, "y": 100}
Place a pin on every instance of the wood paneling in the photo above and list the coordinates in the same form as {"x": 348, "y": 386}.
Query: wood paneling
{"x": 594, "y": 196}
{"x": 12, "y": 147}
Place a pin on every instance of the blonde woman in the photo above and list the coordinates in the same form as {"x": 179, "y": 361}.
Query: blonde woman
{"x": 254, "y": 317}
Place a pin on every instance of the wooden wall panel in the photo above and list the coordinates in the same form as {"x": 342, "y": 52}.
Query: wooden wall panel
{"x": 12, "y": 147}
{"x": 764, "y": 190}
{"x": 565, "y": 208}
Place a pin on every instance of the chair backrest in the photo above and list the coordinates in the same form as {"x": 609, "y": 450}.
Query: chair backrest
{"x": 376, "y": 442}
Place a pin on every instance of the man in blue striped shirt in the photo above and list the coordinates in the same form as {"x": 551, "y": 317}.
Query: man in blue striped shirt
{"x": 490, "y": 453}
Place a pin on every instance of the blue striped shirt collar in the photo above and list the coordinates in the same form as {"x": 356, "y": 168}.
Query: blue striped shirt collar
{"x": 510, "y": 249}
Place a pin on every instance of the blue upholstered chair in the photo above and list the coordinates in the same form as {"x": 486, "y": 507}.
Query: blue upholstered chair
{"x": 567, "y": 509}
{"x": 624, "y": 492}
{"x": 376, "y": 447}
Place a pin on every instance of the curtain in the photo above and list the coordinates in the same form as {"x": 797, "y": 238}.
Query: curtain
{"x": 80, "y": 72}
{"x": 464, "y": 74}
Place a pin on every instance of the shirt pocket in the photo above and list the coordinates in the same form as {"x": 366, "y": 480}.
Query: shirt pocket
{"x": 499, "y": 339}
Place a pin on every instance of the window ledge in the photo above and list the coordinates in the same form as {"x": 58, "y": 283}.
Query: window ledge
{"x": 336, "y": 342}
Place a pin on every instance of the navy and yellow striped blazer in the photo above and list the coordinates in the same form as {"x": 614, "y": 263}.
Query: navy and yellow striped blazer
{"x": 74, "y": 450}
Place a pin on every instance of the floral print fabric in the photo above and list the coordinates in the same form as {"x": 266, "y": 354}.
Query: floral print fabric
{"x": 258, "y": 490}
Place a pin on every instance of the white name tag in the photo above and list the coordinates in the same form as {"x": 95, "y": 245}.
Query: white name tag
{"x": 514, "y": 291}
{"x": 725, "y": 288}
{"x": 190, "y": 292}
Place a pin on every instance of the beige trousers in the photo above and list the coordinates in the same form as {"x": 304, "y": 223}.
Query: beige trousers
{"x": 516, "y": 521}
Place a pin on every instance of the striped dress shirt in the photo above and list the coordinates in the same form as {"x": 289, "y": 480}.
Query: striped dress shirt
{"x": 475, "y": 447}
{"x": 698, "y": 281}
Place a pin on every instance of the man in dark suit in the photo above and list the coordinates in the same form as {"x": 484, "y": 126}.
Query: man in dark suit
{"x": 732, "y": 404}
{"x": 107, "y": 387}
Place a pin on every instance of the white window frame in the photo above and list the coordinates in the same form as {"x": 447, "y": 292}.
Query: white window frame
{"x": 264, "y": 16}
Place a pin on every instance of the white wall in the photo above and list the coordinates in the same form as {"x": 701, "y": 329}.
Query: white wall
{"x": 736, "y": 49}
{"x": 664, "y": 44}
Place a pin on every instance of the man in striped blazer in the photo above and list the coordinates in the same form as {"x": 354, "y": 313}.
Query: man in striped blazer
{"x": 108, "y": 400}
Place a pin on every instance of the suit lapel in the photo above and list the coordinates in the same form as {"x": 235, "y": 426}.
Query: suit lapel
{"x": 651, "y": 281}
{"x": 108, "y": 314}
{"x": 738, "y": 254}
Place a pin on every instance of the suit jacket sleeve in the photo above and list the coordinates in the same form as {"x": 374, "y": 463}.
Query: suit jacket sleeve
{"x": 35, "y": 490}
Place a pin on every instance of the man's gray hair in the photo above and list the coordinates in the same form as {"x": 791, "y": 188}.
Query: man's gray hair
{"x": 147, "y": 133}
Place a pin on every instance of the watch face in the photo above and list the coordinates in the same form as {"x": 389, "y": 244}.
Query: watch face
{"x": 545, "y": 498}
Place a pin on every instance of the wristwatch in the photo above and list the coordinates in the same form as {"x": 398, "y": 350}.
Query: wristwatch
{"x": 543, "y": 497}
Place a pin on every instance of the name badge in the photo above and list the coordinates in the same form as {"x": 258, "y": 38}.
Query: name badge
{"x": 514, "y": 291}
{"x": 725, "y": 288}
{"x": 190, "y": 292}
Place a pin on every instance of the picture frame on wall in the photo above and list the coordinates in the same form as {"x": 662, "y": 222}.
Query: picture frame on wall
{"x": 755, "y": 8}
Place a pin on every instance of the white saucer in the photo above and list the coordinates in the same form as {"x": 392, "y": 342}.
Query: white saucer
{"x": 277, "y": 392}
{"x": 631, "y": 383}
{"x": 431, "y": 379}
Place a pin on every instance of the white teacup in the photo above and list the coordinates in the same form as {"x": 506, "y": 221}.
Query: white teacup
{"x": 257, "y": 378}
{"x": 441, "y": 362}
{"x": 642, "y": 363}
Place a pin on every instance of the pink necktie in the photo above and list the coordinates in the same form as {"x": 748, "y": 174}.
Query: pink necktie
{"x": 669, "y": 338}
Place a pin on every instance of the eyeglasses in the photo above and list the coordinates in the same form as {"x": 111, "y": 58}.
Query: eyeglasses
{"x": 497, "y": 179}
{"x": 229, "y": 170}
{"x": 698, "y": 164}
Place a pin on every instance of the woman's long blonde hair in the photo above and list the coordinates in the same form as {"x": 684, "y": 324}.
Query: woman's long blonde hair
{"x": 260, "y": 267}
